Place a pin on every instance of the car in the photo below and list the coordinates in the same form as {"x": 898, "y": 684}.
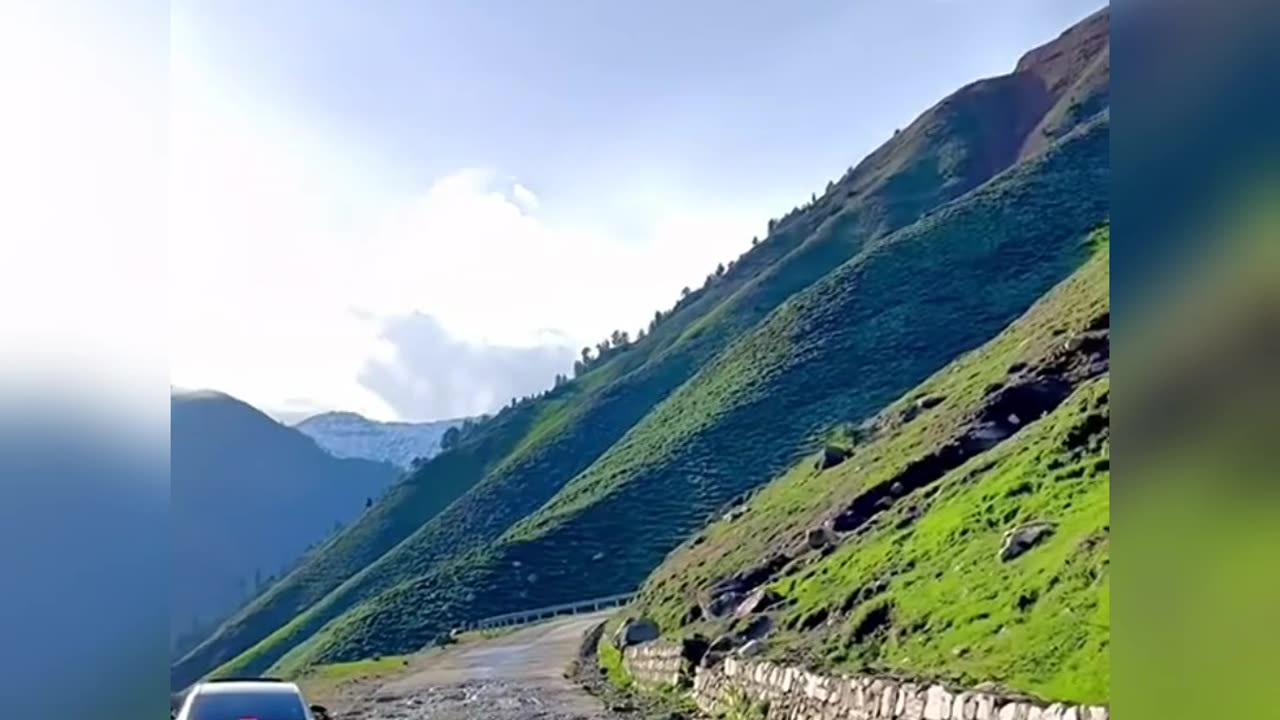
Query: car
{"x": 248, "y": 699}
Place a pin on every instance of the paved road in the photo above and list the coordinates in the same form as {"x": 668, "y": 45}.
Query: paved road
{"x": 518, "y": 676}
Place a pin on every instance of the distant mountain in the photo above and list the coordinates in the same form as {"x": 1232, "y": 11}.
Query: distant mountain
{"x": 348, "y": 435}
{"x": 249, "y": 496}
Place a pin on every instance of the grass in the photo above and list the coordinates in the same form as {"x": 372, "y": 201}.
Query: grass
{"x": 610, "y": 657}
{"x": 738, "y": 706}
{"x": 921, "y": 592}
{"x": 849, "y": 302}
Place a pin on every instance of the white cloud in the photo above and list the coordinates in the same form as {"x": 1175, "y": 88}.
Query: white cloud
{"x": 524, "y": 197}
{"x": 290, "y": 268}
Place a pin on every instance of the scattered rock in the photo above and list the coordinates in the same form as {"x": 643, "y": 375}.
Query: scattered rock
{"x": 757, "y": 601}
{"x": 734, "y": 514}
{"x": 722, "y": 604}
{"x": 726, "y": 594}
{"x": 1024, "y": 537}
{"x": 831, "y": 456}
{"x": 635, "y": 631}
{"x": 929, "y": 402}
{"x": 724, "y": 643}
{"x": 756, "y": 629}
{"x": 751, "y": 649}
{"x": 817, "y": 538}
{"x": 712, "y": 658}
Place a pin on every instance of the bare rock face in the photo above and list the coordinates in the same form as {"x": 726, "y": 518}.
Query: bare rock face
{"x": 1024, "y": 537}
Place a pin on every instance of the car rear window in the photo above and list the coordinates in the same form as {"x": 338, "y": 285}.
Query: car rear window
{"x": 231, "y": 705}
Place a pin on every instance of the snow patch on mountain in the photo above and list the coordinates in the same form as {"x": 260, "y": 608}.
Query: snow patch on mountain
{"x": 349, "y": 435}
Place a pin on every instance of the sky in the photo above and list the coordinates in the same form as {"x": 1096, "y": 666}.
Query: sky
{"x": 420, "y": 209}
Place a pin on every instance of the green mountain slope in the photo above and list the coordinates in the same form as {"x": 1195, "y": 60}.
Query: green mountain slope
{"x": 517, "y": 462}
{"x": 907, "y": 577}
{"x": 883, "y": 322}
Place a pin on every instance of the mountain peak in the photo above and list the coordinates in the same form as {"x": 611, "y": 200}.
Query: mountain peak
{"x": 347, "y": 434}
{"x": 345, "y": 416}
{"x": 1062, "y": 60}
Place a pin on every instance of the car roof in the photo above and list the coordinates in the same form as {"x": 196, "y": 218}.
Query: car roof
{"x": 253, "y": 686}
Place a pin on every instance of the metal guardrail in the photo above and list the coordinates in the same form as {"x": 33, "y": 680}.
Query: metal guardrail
{"x": 527, "y": 616}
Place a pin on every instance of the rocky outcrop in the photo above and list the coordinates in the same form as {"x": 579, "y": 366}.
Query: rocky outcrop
{"x": 726, "y": 595}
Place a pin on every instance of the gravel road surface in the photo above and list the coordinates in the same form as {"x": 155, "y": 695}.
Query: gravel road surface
{"x": 518, "y": 676}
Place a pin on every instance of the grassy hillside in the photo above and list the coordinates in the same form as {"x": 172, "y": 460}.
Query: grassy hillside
{"x": 910, "y": 581}
{"x": 533, "y": 450}
{"x": 883, "y": 322}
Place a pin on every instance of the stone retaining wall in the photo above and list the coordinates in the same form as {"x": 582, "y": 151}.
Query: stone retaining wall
{"x": 794, "y": 694}
{"x": 657, "y": 664}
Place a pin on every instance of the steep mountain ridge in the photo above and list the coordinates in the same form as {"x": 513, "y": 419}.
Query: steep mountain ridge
{"x": 232, "y": 466}
{"x": 515, "y": 463}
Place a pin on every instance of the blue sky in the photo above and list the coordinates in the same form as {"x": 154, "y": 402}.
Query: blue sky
{"x": 419, "y": 209}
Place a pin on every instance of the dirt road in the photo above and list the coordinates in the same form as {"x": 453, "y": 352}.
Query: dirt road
{"x": 518, "y": 676}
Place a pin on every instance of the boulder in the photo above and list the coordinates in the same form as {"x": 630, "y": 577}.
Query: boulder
{"x": 751, "y": 649}
{"x": 831, "y": 456}
{"x": 757, "y": 601}
{"x": 722, "y": 604}
{"x": 711, "y": 659}
{"x": 722, "y": 644}
{"x": 817, "y": 538}
{"x": 1024, "y": 537}
{"x": 759, "y": 626}
{"x": 929, "y": 402}
{"x": 635, "y": 631}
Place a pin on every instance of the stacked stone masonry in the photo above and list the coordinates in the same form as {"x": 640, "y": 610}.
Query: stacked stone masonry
{"x": 658, "y": 664}
{"x": 792, "y": 693}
